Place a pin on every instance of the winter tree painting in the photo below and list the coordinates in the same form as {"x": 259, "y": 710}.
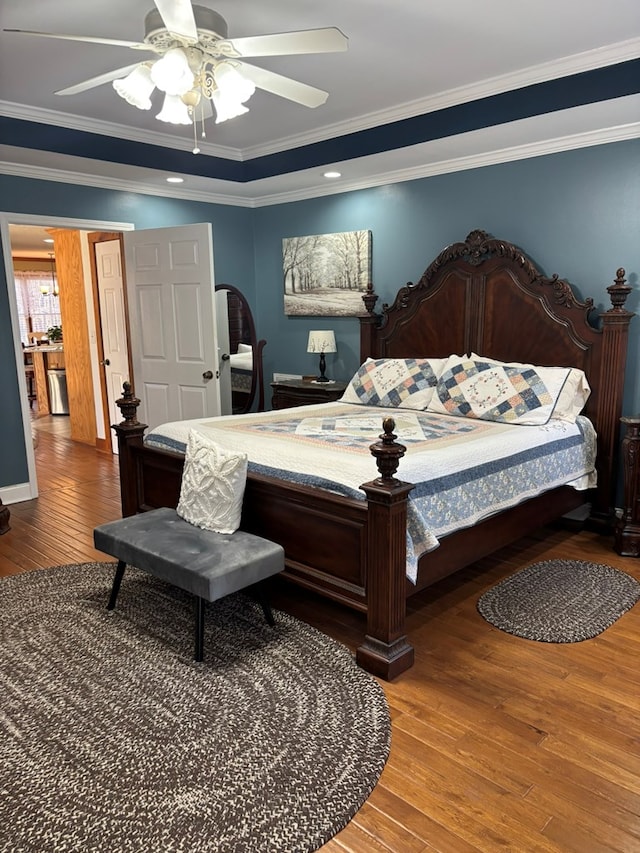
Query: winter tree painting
{"x": 326, "y": 275}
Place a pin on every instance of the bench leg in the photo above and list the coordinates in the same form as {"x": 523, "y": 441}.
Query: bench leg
{"x": 261, "y": 595}
{"x": 198, "y": 653}
{"x": 268, "y": 613}
{"x": 115, "y": 589}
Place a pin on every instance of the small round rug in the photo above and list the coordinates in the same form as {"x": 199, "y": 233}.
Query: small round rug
{"x": 113, "y": 738}
{"x": 559, "y": 601}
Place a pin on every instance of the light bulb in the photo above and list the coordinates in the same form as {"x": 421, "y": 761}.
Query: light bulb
{"x": 136, "y": 87}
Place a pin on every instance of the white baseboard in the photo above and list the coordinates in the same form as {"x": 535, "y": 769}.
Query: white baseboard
{"x": 15, "y": 494}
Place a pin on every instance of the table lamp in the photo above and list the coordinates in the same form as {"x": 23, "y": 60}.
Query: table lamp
{"x": 322, "y": 342}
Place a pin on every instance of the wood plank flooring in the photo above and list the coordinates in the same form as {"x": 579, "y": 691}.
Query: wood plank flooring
{"x": 498, "y": 743}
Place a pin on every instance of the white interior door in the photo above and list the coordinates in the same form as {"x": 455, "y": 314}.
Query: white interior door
{"x": 114, "y": 330}
{"x": 174, "y": 348}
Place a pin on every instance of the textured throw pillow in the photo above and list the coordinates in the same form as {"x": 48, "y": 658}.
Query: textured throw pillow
{"x": 400, "y": 383}
{"x": 476, "y": 387}
{"x": 213, "y": 485}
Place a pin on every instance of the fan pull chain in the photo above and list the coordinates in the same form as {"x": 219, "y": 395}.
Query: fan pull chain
{"x": 194, "y": 118}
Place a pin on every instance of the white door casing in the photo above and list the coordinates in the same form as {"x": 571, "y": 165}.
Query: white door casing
{"x": 113, "y": 325}
{"x": 173, "y": 342}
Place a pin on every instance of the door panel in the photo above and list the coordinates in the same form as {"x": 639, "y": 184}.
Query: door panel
{"x": 173, "y": 327}
{"x": 113, "y": 326}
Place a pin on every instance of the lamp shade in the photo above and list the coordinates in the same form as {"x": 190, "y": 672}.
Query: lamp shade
{"x": 321, "y": 342}
{"x": 172, "y": 74}
{"x": 136, "y": 87}
{"x": 174, "y": 111}
{"x": 231, "y": 82}
{"x": 226, "y": 107}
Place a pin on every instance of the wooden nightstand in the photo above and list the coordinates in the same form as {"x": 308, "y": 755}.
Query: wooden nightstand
{"x": 298, "y": 392}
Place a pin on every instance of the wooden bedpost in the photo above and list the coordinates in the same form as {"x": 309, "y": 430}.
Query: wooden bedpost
{"x": 130, "y": 433}
{"x": 4, "y": 519}
{"x": 615, "y": 331}
{"x": 368, "y": 322}
{"x": 386, "y": 651}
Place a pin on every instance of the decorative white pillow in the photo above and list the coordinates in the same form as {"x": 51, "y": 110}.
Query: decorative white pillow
{"x": 400, "y": 383}
{"x": 477, "y": 387}
{"x": 213, "y": 485}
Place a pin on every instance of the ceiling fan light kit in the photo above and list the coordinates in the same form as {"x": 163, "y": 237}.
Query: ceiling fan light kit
{"x": 136, "y": 87}
{"x": 200, "y": 67}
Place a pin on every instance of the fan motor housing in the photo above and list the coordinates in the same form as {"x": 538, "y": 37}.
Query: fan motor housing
{"x": 206, "y": 19}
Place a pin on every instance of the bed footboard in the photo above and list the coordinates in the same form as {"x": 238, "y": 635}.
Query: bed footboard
{"x": 349, "y": 550}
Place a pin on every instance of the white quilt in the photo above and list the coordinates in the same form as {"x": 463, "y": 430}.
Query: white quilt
{"x": 464, "y": 469}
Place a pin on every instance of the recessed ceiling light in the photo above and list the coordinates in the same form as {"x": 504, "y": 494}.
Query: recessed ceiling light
{"x": 332, "y": 174}
{"x": 48, "y": 240}
{"x": 175, "y": 180}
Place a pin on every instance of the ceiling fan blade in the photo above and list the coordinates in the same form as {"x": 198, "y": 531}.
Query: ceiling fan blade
{"x": 118, "y": 42}
{"x": 178, "y": 18}
{"x": 293, "y": 90}
{"x": 98, "y": 81}
{"x": 327, "y": 40}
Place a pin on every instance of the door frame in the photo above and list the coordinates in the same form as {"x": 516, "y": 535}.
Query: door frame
{"x": 26, "y": 491}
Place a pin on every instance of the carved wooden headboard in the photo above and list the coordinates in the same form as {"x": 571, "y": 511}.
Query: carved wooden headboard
{"x": 485, "y": 296}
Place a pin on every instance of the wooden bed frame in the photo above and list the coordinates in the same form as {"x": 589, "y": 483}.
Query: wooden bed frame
{"x": 482, "y": 295}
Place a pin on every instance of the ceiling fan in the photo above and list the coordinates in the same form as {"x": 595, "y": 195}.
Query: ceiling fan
{"x": 199, "y": 68}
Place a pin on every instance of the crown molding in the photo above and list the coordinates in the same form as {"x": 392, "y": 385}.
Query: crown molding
{"x": 577, "y": 63}
{"x": 319, "y": 190}
{"x": 119, "y": 131}
{"x": 459, "y": 164}
{"x": 43, "y": 173}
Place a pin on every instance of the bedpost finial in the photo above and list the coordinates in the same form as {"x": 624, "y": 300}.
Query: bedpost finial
{"x": 128, "y": 405}
{"x": 388, "y": 452}
{"x": 618, "y": 291}
{"x": 369, "y": 298}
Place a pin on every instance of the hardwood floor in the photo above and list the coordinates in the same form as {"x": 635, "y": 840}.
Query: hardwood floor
{"x": 498, "y": 743}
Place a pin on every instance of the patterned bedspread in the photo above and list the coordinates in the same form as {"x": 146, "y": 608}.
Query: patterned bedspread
{"x": 464, "y": 469}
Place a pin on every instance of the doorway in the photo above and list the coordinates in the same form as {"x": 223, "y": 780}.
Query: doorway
{"x": 30, "y": 490}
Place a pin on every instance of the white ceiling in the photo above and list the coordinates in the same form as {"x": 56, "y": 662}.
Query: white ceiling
{"x": 404, "y": 59}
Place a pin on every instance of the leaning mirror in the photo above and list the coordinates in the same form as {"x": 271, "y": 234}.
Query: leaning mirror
{"x": 244, "y": 354}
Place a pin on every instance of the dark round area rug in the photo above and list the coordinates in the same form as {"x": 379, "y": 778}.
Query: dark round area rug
{"x": 113, "y": 739}
{"x": 559, "y": 601}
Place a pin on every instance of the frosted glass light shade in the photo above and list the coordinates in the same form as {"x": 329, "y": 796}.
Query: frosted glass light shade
{"x": 174, "y": 111}
{"x": 231, "y": 83}
{"x": 321, "y": 342}
{"x": 172, "y": 74}
{"x": 136, "y": 87}
{"x": 226, "y": 107}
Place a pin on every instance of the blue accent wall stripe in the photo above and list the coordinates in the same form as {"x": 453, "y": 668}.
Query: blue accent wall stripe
{"x": 614, "y": 81}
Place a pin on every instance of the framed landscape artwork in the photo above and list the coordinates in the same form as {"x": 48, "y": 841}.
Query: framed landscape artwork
{"x": 326, "y": 275}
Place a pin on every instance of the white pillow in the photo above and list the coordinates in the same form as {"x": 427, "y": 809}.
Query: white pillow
{"x": 400, "y": 383}
{"x": 511, "y": 393}
{"x": 213, "y": 485}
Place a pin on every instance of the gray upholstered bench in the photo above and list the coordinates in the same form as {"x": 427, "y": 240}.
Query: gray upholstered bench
{"x": 209, "y": 565}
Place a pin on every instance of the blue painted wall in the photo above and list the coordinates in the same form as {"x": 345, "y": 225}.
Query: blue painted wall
{"x": 576, "y": 213}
